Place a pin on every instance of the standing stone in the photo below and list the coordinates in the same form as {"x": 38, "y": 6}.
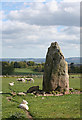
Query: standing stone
{"x": 56, "y": 70}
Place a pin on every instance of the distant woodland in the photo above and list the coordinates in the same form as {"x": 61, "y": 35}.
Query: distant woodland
{"x": 8, "y": 67}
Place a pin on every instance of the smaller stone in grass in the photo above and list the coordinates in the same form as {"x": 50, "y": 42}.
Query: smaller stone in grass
{"x": 59, "y": 94}
{"x": 21, "y": 93}
{"x": 9, "y": 98}
{"x": 13, "y": 93}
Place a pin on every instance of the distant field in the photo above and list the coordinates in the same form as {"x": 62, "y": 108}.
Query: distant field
{"x": 67, "y": 106}
{"x": 25, "y": 71}
{"x": 29, "y": 70}
{"x": 73, "y": 81}
{"x": 75, "y": 75}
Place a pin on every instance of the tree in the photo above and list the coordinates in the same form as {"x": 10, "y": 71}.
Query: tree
{"x": 39, "y": 68}
{"x": 30, "y": 63}
{"x": 7, "y": 68}
{"x": 16, "y": 65}
{"x": 81, "y": 69}
{"x": 72, "y": 68}
{"x": 20, "y": 65}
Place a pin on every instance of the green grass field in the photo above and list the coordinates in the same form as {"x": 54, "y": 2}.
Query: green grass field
{"x": 67, "y": 106}
{"x": 25, "y": 71}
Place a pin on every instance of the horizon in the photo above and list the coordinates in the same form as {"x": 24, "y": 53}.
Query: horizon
{"x": 33, "y": 58}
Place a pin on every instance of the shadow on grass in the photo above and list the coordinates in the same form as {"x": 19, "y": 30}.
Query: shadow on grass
{"x": 6, "y": 93}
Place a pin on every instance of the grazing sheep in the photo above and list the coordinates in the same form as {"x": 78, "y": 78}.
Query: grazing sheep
{"x": 24, "y": 105}
{"x": 21, "y": 79}
{"x": 24, "y": 102}
{"x": 11, "y": 84}
{"x": 29, "y": 79}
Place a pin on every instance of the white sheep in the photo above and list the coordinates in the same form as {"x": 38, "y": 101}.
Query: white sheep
{"x": 24, "y": 105}
{"x": 21, "y": 79}
{"x": 29, "y": 79}
{"x": 11, "y": 84}
{"x": 24, "y": 102}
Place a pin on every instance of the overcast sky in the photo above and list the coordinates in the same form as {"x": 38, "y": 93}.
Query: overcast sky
{"x": 28, "y": 28}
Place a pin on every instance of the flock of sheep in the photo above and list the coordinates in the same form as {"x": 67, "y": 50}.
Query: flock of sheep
{"x": 24, "y": 103}
{"x": 22, "y": 80}
{"x": 25, "y": 79}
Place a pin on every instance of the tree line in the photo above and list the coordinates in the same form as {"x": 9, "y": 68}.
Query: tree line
{"x": 8, "y": 67}
{"x": 72, "y": 68}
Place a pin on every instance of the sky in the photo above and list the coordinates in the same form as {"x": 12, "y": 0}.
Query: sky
{"x": 30, "y": 26}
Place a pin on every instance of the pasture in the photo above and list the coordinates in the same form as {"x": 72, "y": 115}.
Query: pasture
{"x": 25, "y": 71}
{"x": 66, "y": 106}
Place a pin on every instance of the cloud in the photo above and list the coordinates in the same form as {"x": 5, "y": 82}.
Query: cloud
{"x": 2, "y": 15}
{"x": 71, "y": 1}
{"x": 22, "y": 34}
{"x": 24, "y": 0}
{"x": 29, "y": 31}
{"x": 51, "y": 13}
{"x": 40, "y": 0}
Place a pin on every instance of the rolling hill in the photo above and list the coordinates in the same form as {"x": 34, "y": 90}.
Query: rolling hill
{"x": 76, "y": 60}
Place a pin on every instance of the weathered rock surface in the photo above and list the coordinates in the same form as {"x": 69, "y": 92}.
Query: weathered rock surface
{"x": 56, "y": 70}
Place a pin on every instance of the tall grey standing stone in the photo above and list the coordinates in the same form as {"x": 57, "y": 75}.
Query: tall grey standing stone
{"x": 55, "y": 70}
